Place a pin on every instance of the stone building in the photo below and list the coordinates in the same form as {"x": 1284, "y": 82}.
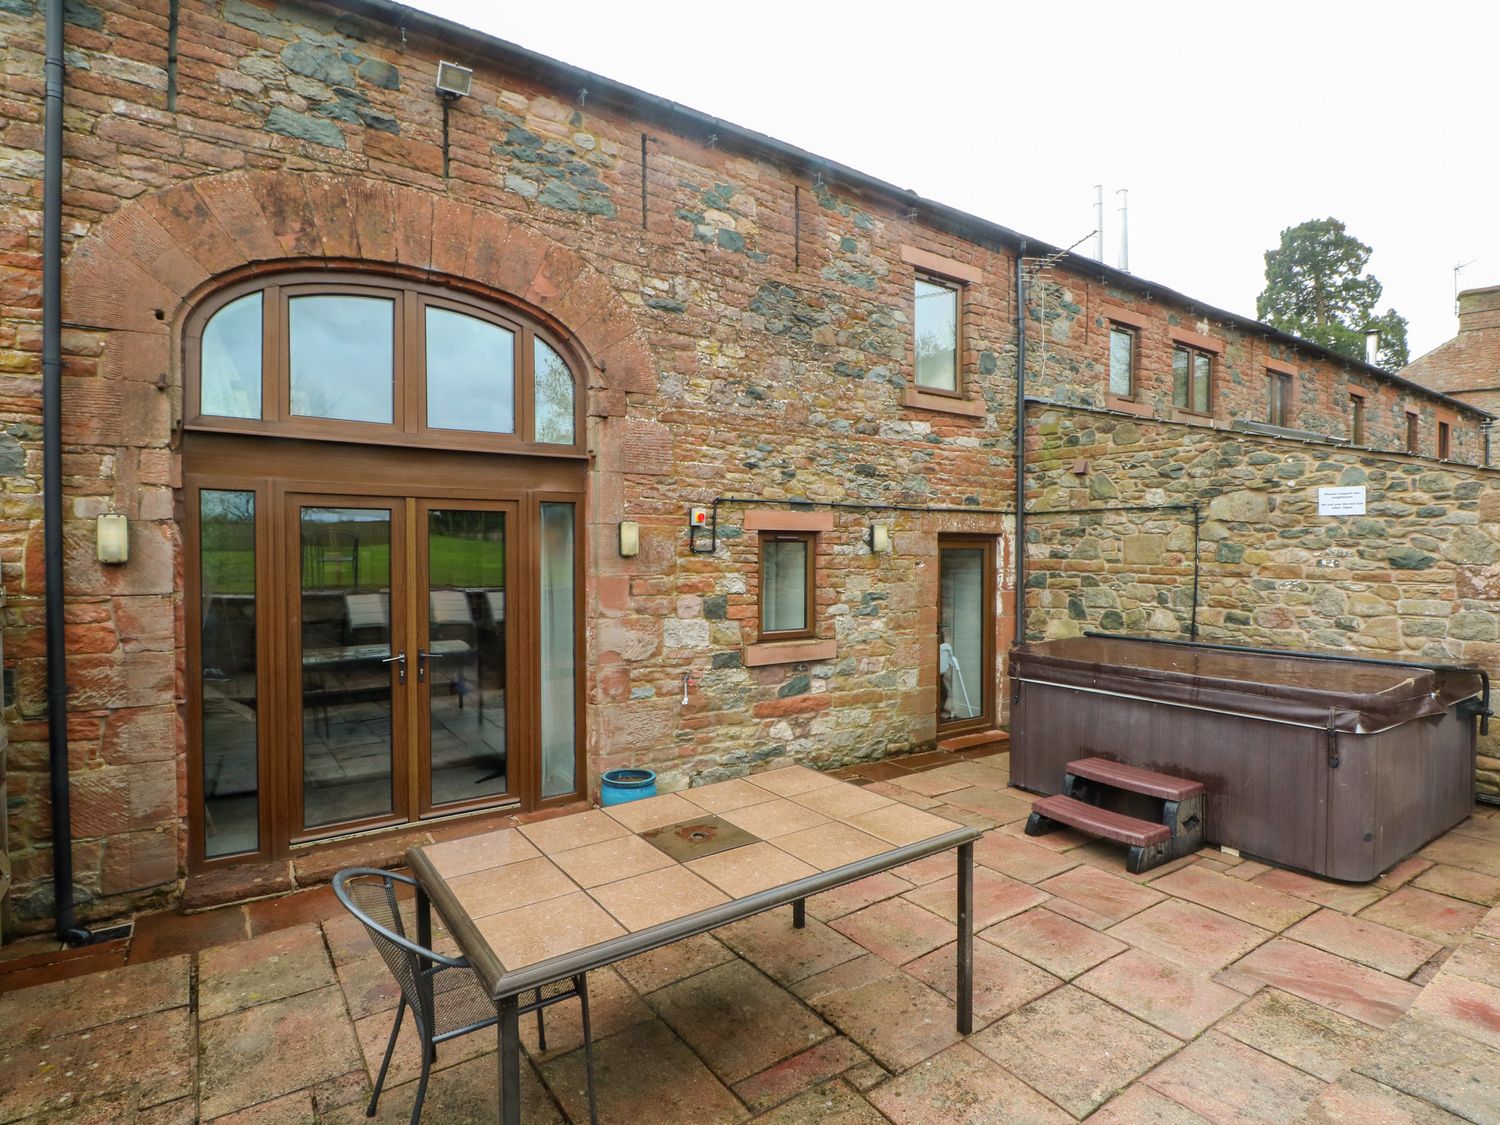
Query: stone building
{"x": 1467, "y": 366}
{"x": 470, "y": 446}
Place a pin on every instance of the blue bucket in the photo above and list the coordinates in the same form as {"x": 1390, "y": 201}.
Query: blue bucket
{"x": 618, "y": 786}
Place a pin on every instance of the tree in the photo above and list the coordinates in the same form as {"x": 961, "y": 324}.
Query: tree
{"x": 1317, "y": 288}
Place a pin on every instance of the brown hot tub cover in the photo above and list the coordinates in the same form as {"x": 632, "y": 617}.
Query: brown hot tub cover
{"x": 1343, "y": 696}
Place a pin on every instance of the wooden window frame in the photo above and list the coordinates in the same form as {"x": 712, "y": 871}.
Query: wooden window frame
{"x": 1278, "y": 398}
{"x": 1413, "y": 433}
{"x": 1134, "y": 332}
{"x": 1444, "y": 440}
{"x": 940, "y": 269}
{"x": 809, "y": 605}
{"x": 1357, "y": 418}
{"x": 408, "y": 427}
{"x": 1193, "y": 351}
{"x": 960, "y": 383}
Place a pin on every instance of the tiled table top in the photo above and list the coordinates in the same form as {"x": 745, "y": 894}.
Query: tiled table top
{"x": 559, "y": 886}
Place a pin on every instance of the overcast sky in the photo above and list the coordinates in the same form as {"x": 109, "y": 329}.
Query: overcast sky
{"x": 1226, "y": 122}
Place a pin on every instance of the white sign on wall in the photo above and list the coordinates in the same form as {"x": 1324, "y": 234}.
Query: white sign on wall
{"x": 1349, "y": 501}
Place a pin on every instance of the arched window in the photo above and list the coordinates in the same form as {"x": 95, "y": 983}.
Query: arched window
{"x": 357, "y": 357}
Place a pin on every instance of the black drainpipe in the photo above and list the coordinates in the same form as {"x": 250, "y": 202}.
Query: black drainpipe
{"x": 52, "y": 507}
{"x": 1020, "y": 545}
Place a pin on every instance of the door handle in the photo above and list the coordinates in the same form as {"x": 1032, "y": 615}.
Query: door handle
{"x": 423, "y": 657}
{"x": 400, "y": 661}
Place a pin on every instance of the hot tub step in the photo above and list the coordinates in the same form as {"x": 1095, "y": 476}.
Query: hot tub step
{"x": 1095, "y": 821}
{"x": 1151, "y": 842}
{"x": 1133, "y": 779}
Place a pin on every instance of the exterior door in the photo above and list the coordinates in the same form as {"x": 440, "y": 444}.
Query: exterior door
{"x": 966, "y": 634}
{"x": 350, "y": 662}
{"x": 463, "y": 639}
{"x": 399, "y": 642}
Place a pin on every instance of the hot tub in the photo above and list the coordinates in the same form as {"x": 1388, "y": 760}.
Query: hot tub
{"x": 1336, "y": 768}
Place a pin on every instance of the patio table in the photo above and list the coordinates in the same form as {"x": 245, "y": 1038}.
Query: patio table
{"x": 543, "y": 902}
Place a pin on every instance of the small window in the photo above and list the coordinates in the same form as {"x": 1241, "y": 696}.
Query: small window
{"x": 1445, "y": 440}
{"x": 1412, "y": 444}
{"x": 343, "y": 357}
{"x": 231, "y": 360}
{"x": 471, "y": 373}
{"x": 1357, "y": 419}
{"x": 786, "y": 584}
{"x": 554, "y": 397}
{"x": 936, "y": 322}
{"x": 1192, "y": 379}
{"x": 1278, "y": 399}
{"x": 1122, "y": 348}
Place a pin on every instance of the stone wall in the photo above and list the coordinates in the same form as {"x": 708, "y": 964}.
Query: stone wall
{"x": 1069, "y": 362}
{"x": 747, "y": 318}
{"x": 1417, "y": 576}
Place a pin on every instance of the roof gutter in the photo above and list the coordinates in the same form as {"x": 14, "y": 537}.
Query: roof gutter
{"x": 599, "y": 88}
{"x": 52, "y": 506}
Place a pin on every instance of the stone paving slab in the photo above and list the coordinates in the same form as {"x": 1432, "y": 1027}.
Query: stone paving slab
{"x": 1300, "y": 1033}
{"x": 1224, "y": 1080}
{"x": 270, "y": 967}
{"x": 1074, "y": 1048}
{"x": 271, "y": 1049}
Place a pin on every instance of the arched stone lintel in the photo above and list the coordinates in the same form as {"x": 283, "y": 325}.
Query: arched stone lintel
{"x": 146, "y": 264}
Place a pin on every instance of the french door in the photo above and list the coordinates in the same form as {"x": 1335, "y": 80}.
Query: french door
{"x": 966, "y": 634}
{"x": 375, "y": 639}
{"x": 397, "y": 668}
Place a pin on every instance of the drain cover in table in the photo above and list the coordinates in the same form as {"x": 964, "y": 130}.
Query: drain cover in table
{"x": 694, "y": 839}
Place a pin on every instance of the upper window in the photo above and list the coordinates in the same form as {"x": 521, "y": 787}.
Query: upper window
{"x": 1192, "y": 379}
{"x": 786, "y": 584}
{"x": 1413, "y": 443}
{"x": 1278, "y": 398}
{"x": 1122, "y": 349}
{"x": 1444, "y": 440}
{"x": 1357, "y": 419}
{"x": 936, "y": 322}
{"x": 372, "y": 359}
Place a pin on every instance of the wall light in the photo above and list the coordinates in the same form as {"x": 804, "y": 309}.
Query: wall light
{"x": 454, "y": 81}
{"x": 113, "y": 539}
{"x": 880, "y": 539}
{"x": 630, "y": 539}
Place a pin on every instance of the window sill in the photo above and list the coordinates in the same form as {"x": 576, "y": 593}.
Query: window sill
{"x": 1192, "y": 418}
{"x": 942, "y": 404}
{"x": 1129, "y": 406}
{"x": 787, "y": 652}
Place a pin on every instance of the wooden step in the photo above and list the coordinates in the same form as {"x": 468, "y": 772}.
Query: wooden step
{"x": 1133, "y": 779}
{"x": 1099, "y": 822}
{"x": 997, "y": 738}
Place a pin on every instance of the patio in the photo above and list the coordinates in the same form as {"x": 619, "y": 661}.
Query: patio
{"x": 1208, "y": 989}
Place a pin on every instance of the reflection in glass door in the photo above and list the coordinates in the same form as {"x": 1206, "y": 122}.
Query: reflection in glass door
{"x": 965, "y": 634}
{"x": 348, "y": 559}
{"x": 461, "y": 663}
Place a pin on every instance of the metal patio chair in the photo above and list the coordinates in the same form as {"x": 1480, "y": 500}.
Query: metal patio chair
{"x": 443, "y": 993}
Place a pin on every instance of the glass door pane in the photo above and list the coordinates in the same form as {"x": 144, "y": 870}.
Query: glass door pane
{"x": 558, "y": 655}
{"x": 349, "y": 667}
{"x": 963, "y": 656}
{"x": 229, "y": 686}
{"x": 462, "y": 662}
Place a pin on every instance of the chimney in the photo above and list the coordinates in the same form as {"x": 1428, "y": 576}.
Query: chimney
{"x": 1479, "y": 309}
{"x": 1099, "y": 222}
{"x": 1372, "y": 346}
{"x": 1124, "y": 194}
